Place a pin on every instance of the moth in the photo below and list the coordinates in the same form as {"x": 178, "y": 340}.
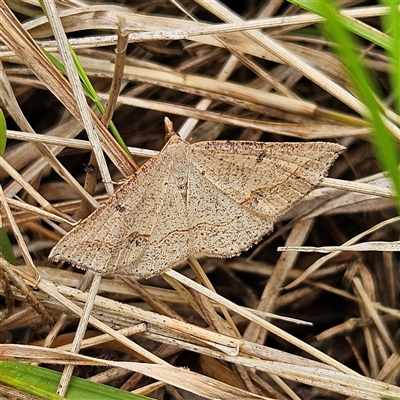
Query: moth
{"x": 212, "y": 198}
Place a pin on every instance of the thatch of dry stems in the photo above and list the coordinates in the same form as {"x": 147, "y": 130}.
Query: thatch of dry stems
{"x": 215, "y": 81}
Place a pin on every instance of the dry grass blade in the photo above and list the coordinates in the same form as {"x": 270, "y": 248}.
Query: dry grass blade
{"x": 73, "y": 143}
{"x": 52, "y": 290}
{"x": 28, "y": 292}
{"x": 19, "y": 41}
{"x": 77, "y": 89}
{"x": 179, "y": 377}
{"x": 20, "y": 156}
{"x": 266, "y": 325}
{"x": 26, "y": 185}
{"x": 367, "y": 246}
{"x": 202, "y": 385}
{"x": 352, "y": 241}
{"x": 298, "y": 234}
{"x": 286, "y": 56}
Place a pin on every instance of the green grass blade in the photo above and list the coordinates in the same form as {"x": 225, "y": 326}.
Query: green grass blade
{"x": 43, "y": 383}
{"x": 5, "y": 247}
{"x": 373, "y": 35}
{"x": 3, "y": 133}
{"x": 94, "y": 96}
{"x": 391, "y": 23}
{"x": 346, "y": 47}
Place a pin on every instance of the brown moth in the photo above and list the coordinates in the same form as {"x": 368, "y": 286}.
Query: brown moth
{"x": 215, "y": 198}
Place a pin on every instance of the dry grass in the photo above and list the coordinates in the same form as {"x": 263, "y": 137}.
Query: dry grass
{"x": 215, "y": 81}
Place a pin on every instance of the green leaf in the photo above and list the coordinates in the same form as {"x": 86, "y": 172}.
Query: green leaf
{"x": 43, "y": 383}
{"x": 3, "y": 133}
{"x": 5, "y": 246}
